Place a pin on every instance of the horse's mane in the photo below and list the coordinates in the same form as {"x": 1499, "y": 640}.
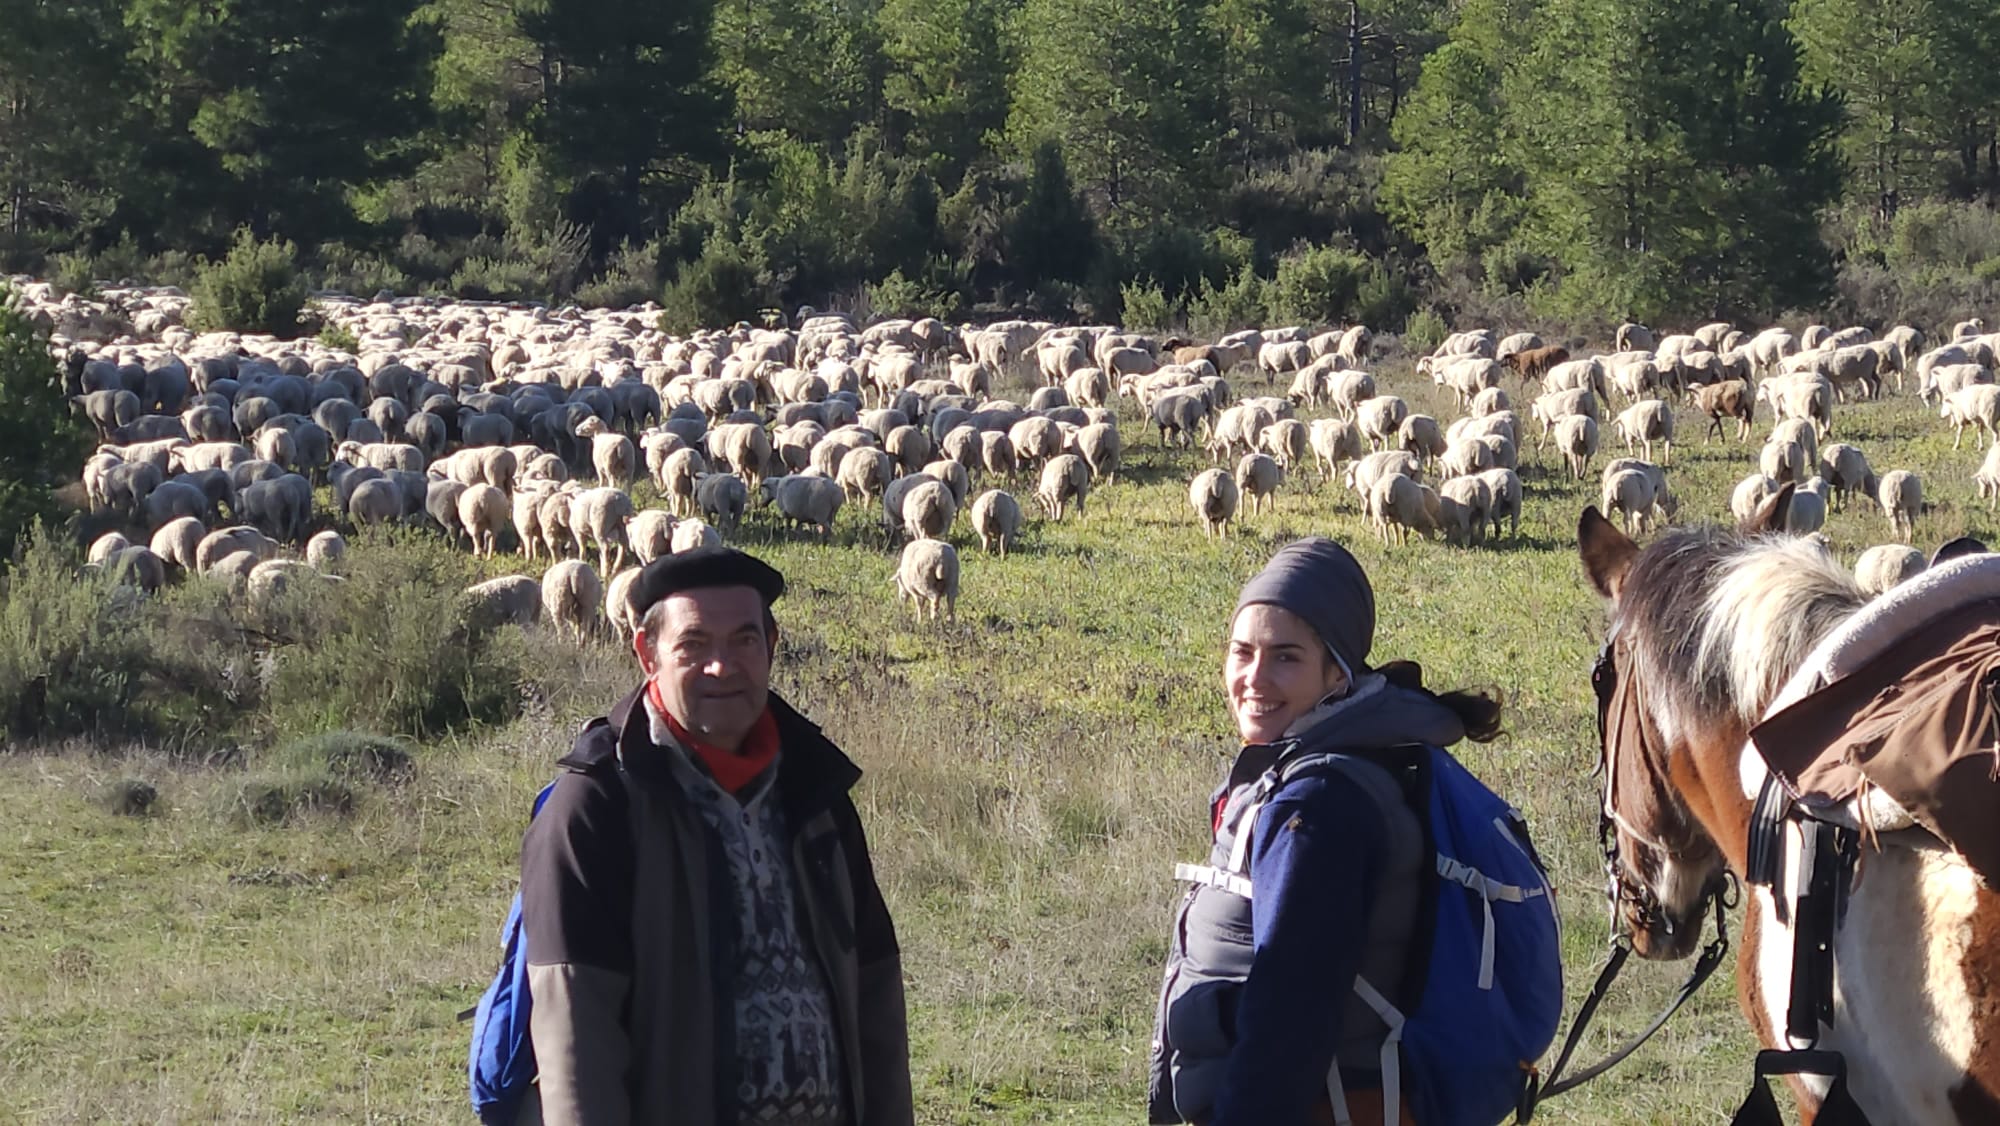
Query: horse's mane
{"x": 1719, "y": 621}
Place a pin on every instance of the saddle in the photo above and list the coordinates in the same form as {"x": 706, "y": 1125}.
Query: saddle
{"x": 1893, "y": 724}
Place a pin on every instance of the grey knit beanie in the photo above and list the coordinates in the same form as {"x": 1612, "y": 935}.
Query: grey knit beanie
{"x": 1322, "y": 583}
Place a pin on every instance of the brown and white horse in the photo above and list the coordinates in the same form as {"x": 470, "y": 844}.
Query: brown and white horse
{"x": 1707, "y": 625}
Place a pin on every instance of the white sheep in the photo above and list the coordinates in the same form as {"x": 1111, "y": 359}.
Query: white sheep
{"x": 1362, "y": 475}
{"x": 509, "y": 598}
{"x": 650, "y": 534}
{"x": 1421, "y": 435}
{"x": 677, "y": 477}
{"x": 1101, "y": 449}
{"x": 1883, "y": 566}
{"x": 1630, "y": 492}
{"x": 111, "y": 543}
{"x": 1214, "y": 495}
{"x": 612, "y": 455}
{"x": 1333, "y": 441}
{"x": 571, "y": 596}
{"x": 1576, "y": 437}
{"x": 1381, "y": 420}
{"x": 808, "y": 500}
{"x": 1977, "y": 406}
{"x": 1257, "y": 477}
{"x": 928, "y": 576}
{"x": 483, "y": 513}
{"x": 1065, "y": 477}
{"x": 996, "y": 516}
{"x": 693, "y": 533}
{"x": 619, "y": 608}
{"x": 1750, "y": 494}
{"x": 1645, "y": 422}
{"x": 1472, "y": 496}
{"x": 598, "y": 515}
{"x": 1782, "y": 461}
{"x": 1504, "y": 485}
{"x": 1987, "y": 477}
{"x": 1464, "y": 457}
{"x": 1806, "y": 513}
{"x": 1901, "y": 494}
{"x": 325, "y": 550}
{"x": 927, "y": 508}
{"x": 1399, "y": 506}
{"x": 178, "y": 540}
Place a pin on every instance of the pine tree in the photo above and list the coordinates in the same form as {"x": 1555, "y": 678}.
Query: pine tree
{"x": 947, "y": 78}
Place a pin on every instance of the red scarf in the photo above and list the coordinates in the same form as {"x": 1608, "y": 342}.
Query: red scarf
{"x": 732, "y": 770}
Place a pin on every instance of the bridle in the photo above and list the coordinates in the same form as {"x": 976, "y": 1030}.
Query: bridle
{"x": 1624, "y": 888}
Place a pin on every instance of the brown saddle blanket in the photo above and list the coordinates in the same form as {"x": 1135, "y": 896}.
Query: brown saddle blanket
{"x": 1919, "y": 722}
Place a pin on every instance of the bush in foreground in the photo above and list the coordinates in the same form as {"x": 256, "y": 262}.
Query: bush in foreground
{"x": 256, "y": 288}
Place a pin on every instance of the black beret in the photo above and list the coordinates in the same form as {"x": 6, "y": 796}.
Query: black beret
{"x": 705, "y": 567}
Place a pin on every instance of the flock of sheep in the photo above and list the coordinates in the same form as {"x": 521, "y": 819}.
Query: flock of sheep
{"x": 526, "y": 429}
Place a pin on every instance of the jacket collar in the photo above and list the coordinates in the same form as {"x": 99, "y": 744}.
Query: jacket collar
{"x": 816, "y": 773}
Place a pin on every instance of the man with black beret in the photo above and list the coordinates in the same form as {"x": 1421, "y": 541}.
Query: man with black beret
{"x": 706, "y": 941}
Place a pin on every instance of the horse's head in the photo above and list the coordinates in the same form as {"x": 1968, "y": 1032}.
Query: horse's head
{"x": 1673, "y": 817}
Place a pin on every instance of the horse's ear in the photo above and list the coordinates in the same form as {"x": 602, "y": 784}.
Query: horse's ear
{"x": 1607, "y": 552}
{"x": 1770, "y": 516}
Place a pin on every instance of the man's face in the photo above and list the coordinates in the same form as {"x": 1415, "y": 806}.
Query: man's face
{"x": 711, "y": 661}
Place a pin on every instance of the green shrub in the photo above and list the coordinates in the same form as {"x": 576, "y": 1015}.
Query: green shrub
{"x": 273, "y": 799}
{"x": 716, "y": 290}
{"x": 72, "y": 650}
{"x": 42, "y": 442}
{"x": 1988, "y": 270}
{"x": 1238, "y": 303}
{"x": 352, "y": 756}
{"x": 499, "y": 279}
{"x": 1424, "y": 331}
{"x": 632, "y": 277}
{"x": 1146, "y": 306}
{"x": 339, "y": 338}
{"x": 390, "y": 649}
{"x": 74, "y": 272}
{"x": 898, "y": 296}
{"x": 255, "y": 288}
{"x": 1319, "y": 285}
{"x": 128, "y": 797}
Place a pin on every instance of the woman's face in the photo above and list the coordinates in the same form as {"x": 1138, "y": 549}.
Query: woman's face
{"x": 1275, "y": 670}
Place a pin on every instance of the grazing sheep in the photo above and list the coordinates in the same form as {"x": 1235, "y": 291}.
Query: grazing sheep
{"x": 1782, "y": 461}
{"x": 1399, "y": 506}
{"x": 745, "y": 447}
{"x": 1633, "y": 337}
{"x": 1806, "y": 513}
{"x": 1381, "y": 420}
{"x": 1421, "y": 435}
{"x": 1988, "y": 477}
{"x": 484, "y": 512}
{"x": 1362, "y": 475}
{"x": 721, "y": 498}
{"x": 1180, "y": 413}
{"x": 1576, "y": 437}
{"x": 599, "y": 515}
{"x": 1257, "y": 477}
{"x": 515, "y": 599}
{"x": 1750, "y": 493}
{"x": 808, "y": 500}
{"x": 1729, "y": 399}
{"x": 928, "y": 577}
{"x": 1535, "y": 361}
{"x": 1804, "y": 395}
{"x": 908, "y": 447}
{"x": 1349, "y": 390}
{"x": 996, "y": 516}
{"x": 139, "y": 568}
{"x": 108, "y": 545}
{"x": 325, "y": 550}
{"x": 1504, "y": 485}
{"x": 1214, "y": 495}
{"x": 1465, "y": 456}
{"x": 1333, "y": 441}
{"x": 996, "y": 454}
{"x": 1471, "y": 509}
{"x": 224, "y": 542}
{"x": 954, "y": 477}
{"x": 1634, "y": 493}
{"x": 1846, "y": 470}
{"x": 619, "y": 609}
{"x": 376, "y": 501}
{"x": 571, "y": 596}
{"x": 927, "y": 508}
{"x": 650, "y": 534}
{"x": 612, "y": 456}
{"x": 678, "y": 474}
{"x": 1065, "y": 477}
{"x": 695, "y": 532}
{"x": 1646, "y": 422}
{"x": 1101, "y": 449}
{"x": 1978, "y": 406}
{"x": 1883, "y": 566}
{"x": 864, "y": 472}
{"x": 178, "y": 541}
{"x": 1901, "y": 494}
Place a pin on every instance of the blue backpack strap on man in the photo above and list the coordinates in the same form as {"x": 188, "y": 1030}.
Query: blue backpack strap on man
{"x": 1482, "y": 1002}
{"x": 502, "y": 1060}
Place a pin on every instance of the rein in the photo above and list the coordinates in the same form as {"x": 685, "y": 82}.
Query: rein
{"x": 1619, "y": 890}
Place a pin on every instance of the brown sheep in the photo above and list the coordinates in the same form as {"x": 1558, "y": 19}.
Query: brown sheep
{"x": 1729, "y": 399}
{"x": 1534, "y": 363}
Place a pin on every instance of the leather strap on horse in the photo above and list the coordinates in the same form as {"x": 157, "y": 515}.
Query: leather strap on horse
{"x": 1711, "y": 958}
{"x": 1838, "y": 1108}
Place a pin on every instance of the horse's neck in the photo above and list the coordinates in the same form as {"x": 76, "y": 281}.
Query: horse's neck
{"x": 1711, "y": 779}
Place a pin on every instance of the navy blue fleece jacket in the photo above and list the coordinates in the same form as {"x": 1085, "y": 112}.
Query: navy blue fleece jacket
{"x": 1314, "y": 858}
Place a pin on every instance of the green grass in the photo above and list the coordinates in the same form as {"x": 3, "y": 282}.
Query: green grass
{"x": 1034, "y": 768}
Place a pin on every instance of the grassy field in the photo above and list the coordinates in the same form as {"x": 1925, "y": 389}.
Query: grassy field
{"x": 1034, "y": 769}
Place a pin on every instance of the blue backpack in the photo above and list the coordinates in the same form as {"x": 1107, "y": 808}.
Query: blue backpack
{"x": 502, "y": 1062}
{"x": 1487, "y": 995}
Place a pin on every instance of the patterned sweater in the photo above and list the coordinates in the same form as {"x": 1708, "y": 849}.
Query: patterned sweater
{"x": 788, "y": 1066}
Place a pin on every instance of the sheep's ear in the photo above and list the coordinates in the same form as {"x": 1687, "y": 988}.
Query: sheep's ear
{"x": 1607, "y": 553}
{"x": 1770, "y": 516}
